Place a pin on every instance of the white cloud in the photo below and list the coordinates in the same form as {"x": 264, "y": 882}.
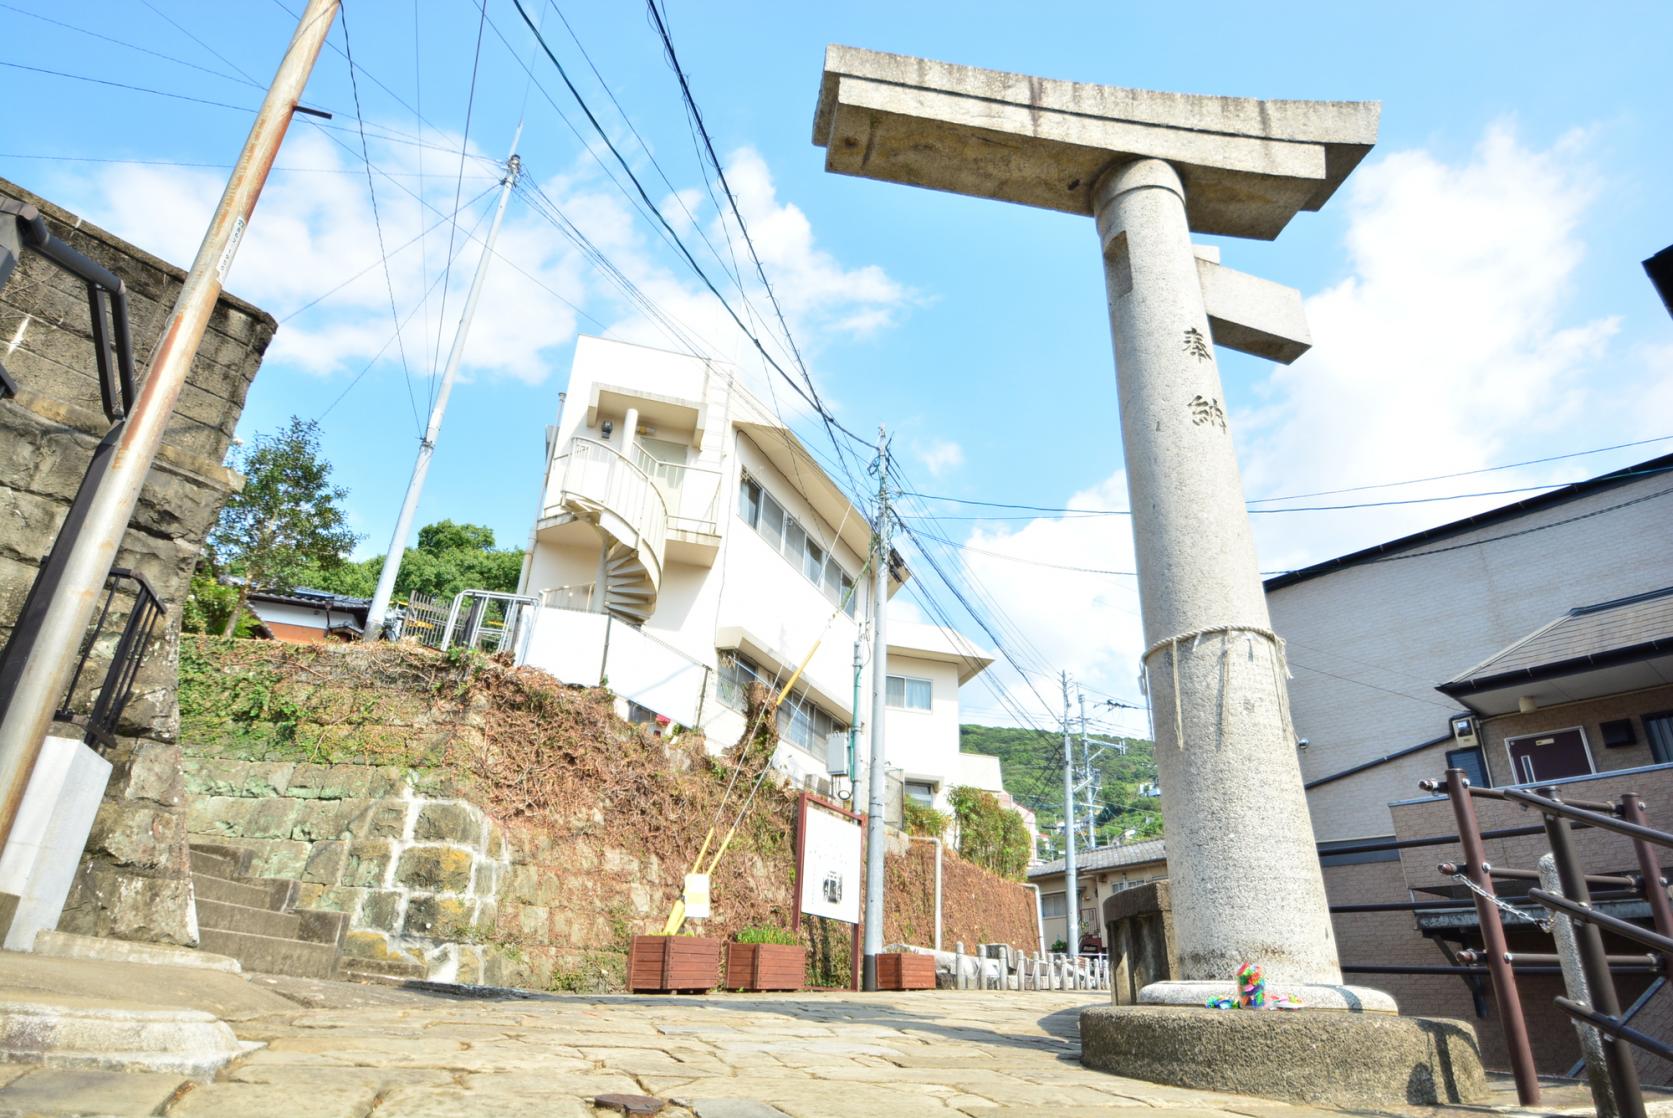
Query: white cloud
{"x": 315, "y": 229}
{"x": 1447, "y": 348}
{"x": 941, "y": 455}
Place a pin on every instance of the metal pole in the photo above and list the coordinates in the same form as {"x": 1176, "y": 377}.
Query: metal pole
{"x": 1493, "y": 936}
{"x": 427, "y": 448}
{"x": 854, "y": 721}
{"x": 1649, "y": 866}
{"x": 28, "y": 716}
{"x": 1071, "y": 884}
{"x": 1600, "y": 984}
{"x": 1091, "y": 792}
{"x": 875, "y": 772}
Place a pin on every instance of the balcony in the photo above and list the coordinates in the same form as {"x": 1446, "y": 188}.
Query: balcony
{"x": 691, "y": 494}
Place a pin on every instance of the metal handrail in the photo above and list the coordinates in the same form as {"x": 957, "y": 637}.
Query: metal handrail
{"x": 650, "y": 527}
{"x": 99, "y": 724}
{"x": 1551, "y": 806}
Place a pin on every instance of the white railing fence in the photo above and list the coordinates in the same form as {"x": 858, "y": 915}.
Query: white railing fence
{"x": 691, "y": 493}
{"x": 600, "y": 476}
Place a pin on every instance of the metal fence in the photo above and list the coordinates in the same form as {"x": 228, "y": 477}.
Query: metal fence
{"x": 1588, "y": 972}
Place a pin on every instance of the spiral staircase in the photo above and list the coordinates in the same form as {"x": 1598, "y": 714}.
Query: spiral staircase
{"x": 596, "y": 485}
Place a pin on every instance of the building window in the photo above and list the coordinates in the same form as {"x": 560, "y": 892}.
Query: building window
{"x": 1473, "y": 764}
{"x": 1054, "y": 906}
{"x": 920, "y": 792}
{"x": 907, "y": 693}
{"x": 785, "y": 535}
{"x": 798, "y": 721}
{"x": 1658, "y": 728}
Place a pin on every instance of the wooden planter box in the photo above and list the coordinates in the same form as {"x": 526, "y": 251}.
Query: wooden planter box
{"x": 670, "y": 964}
{"x": 765, "y": 966}
{"x": 905, "y": 970}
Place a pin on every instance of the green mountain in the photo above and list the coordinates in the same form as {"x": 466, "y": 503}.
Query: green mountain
{"x": 1032, "y": 761}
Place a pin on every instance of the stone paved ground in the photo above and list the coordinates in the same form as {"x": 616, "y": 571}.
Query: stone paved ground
{"x": 349, "y": 1051}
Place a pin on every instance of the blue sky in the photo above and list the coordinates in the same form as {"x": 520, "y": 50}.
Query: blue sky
{"x": 1475, "y": 291}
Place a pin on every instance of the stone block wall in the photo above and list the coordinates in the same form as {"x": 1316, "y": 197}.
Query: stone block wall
{"x": 427, "y": 876}
{"x": 133, "y": 881}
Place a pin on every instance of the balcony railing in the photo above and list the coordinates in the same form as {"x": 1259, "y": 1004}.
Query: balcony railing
{"x": 692, "y": 493}
{"x": 598, "y": 475}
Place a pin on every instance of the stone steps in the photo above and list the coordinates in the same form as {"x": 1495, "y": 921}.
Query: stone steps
{"x": 255, "y": 919}
{"x": 381, "y": 969}
{"x": 242, "y": 918}
{"x": 271, "y": 954}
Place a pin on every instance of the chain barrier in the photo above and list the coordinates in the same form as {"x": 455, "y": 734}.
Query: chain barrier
{"x": 1504, "y": 906}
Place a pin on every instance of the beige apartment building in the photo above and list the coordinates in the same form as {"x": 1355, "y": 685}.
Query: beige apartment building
{"x": 1532, "y": 644}
{"x": 1100, "y": 873}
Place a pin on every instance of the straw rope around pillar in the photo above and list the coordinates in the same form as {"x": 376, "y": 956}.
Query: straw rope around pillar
{"x": 1280, "y": 669}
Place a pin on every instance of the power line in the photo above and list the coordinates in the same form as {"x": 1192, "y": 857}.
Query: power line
{"x": 377, "y": 218}
{"x": 402, "y": 323}
{"x": 384, "y": 260}
{"x": 1466, "y": 473}
{"x": 277, "y": 169}
{"x": 131, "y": 46}
{"x": 657, "y": 214}
{"x": 743, "y": 227}
{"x": 470, "y": 105}
{"x": 1073, "y": 513}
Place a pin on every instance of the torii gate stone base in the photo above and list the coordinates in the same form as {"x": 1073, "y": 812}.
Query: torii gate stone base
{"x": 1152, "y": 168}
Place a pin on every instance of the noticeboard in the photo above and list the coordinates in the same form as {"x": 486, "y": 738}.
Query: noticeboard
{"x": 831, "y": 863}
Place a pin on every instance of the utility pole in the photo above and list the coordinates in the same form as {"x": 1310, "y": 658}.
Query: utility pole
{"x": 875, "y": 773}
{"x": 427, "y": 448}
{"x": 1072, "y": 884}
{"x": 46, "y": 674}
{"x": 854, "y": 721}
{"x": 1090, "y": 784}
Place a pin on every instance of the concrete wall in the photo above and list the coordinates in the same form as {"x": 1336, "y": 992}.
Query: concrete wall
{"x": 133, "y": 881}
{"x": 1368, "y": 643}
{"x": 923, "y": 744}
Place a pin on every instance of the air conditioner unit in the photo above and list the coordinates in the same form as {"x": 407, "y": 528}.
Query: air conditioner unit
{"x": 1464, "y": 729}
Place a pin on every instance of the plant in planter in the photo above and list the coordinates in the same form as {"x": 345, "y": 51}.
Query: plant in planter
{"x": 765, "y": 958}
{"x": 685, "y": 964}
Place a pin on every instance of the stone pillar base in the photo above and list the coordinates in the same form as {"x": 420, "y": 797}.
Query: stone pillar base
{"x": 1301, "y": 1055}
{"x": 1313, "y": 995}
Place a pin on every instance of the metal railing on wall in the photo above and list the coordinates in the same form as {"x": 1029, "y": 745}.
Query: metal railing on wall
{"x": 1599, "y": 1008}
{"x": 127, "y": 653}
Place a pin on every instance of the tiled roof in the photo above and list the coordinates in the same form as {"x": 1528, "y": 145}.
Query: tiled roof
{"x": 1578, "y": 637}
{"x": 1107, "y": 857}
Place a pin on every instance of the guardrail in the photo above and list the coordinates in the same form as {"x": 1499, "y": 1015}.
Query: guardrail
{"x": 1496, "y": 962}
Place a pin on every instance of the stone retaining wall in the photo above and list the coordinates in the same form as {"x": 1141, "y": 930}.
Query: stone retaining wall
{"x": 133, "y": 882}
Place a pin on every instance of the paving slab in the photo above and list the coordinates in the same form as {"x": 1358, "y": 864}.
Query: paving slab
{"x": 54, "y": 1091}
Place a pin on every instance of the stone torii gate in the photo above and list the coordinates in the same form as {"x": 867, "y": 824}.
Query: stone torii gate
{"x": 1151, "y": 168}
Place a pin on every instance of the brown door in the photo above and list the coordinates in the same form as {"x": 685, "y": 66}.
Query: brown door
{"x": 1554, "y": 756}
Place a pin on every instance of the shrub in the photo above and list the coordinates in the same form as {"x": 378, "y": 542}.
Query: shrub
{"x": 921, "y": 819}
{"x": 990, "y": 834}
{"x": 767, "y": 934}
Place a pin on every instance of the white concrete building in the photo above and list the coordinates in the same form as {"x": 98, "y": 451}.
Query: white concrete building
{"x": 688, "y": 544}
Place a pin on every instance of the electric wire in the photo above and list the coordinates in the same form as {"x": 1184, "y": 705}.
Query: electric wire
{"x": 453, "y": 229}
{"x": 132, "y": 46}
{"x": 383, "y": 260}
{"x": 376, "y": 357}
{"x": 377, "y": 218}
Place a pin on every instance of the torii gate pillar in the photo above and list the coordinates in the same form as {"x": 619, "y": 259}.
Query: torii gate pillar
{"x": 1152, "y": 168}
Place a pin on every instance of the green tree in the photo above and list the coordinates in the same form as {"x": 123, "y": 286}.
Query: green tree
{"x": 286, "y": 522}
{"x": 450, "y": 557}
